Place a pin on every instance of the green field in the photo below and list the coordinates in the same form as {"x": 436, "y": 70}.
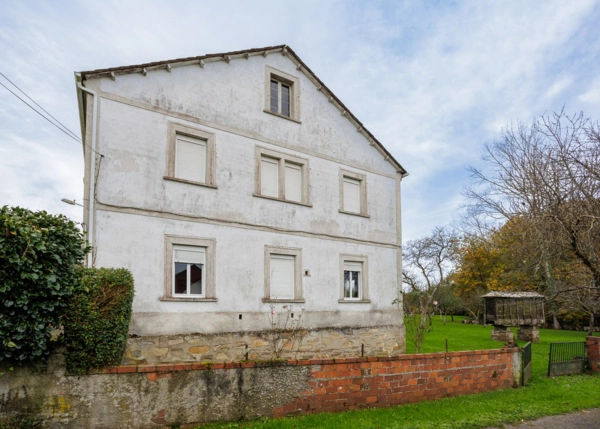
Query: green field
{"x": 542, "y": 396}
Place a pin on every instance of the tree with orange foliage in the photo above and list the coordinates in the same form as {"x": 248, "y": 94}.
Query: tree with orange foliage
{"x": 546, "y": 178}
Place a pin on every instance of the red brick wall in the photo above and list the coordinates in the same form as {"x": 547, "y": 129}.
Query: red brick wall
{"x": 350, "y": 383}
{"x": 380, "y": 382}
{"x": 140, "y": 396}
{"x": 593, "y": 352}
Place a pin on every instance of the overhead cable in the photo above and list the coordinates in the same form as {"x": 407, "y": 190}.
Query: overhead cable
{"x": 53, "y": 120}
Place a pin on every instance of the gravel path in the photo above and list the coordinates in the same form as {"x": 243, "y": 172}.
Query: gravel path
{"x": 587, "y": 419}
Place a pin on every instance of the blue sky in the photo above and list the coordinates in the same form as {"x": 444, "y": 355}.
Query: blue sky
{"x": 432, "y": 80}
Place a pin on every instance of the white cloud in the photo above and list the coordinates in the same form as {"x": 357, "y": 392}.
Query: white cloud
{"x": 591, "y": 94}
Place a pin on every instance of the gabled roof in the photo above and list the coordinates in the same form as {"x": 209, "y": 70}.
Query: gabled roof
{"x": 202, "y": 60}
{"x": 512, "y": 295}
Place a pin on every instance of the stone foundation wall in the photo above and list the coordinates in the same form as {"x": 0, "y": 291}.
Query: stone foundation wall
{"x": 239, "y": 346}
{"x": 528, "y": 333}
{"x": 503, "y": 333}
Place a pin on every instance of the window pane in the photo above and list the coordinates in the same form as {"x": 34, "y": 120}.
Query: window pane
{"x": 190, "y": 159}
{"x": 180, "y": 283}
{"x": 196, "y": 271}
{"x": 354, "y": 284}
{"x": 274, "y": 96}
{"x": 351, "y": 284}
{"x": 285, "y": 100}
{"x": 269, "y": 177}
{"x": 346, "y": 284}
{"x": 293, "y": 182}
{"x": 351, "y": 195}
{"x": 282, "y": 276}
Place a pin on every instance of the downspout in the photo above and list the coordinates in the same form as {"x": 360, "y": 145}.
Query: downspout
{"x": 92, "y": 195}
{"x": 399, "y": 292}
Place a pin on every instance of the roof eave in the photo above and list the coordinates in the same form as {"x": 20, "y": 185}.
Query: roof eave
{"x": 227, "y": 56}
{"x": 81, "y": 106}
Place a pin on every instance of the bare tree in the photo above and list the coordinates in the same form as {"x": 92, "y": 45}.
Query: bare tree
{"x": 547, "y": 173}
{"x": 427, "y": 263}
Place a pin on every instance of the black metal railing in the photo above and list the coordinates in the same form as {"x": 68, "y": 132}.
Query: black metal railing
{"x": 525, "y": 364}
{"x": 566, "y": 358}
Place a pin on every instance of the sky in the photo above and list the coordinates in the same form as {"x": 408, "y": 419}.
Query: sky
{"x": 432, "y": 80}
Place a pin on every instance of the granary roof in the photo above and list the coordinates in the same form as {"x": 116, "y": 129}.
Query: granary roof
{"x": 495, "y": 294}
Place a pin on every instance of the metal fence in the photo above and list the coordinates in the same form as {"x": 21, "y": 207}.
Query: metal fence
{"x": 567, "y": 358}
{"x": 525, "y": 363}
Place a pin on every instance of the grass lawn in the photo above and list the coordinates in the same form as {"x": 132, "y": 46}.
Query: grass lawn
{"x": 542, "y": 396}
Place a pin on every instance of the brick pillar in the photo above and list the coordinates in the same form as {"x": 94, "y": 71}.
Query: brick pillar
{"x": 592, "y": 345}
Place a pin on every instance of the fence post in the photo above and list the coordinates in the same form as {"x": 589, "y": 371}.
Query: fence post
{"x": 516, "y": 362}
{"x": 592, "y": 344}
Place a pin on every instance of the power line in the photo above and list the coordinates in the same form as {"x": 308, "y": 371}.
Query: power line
{"x": 54, "y": 121}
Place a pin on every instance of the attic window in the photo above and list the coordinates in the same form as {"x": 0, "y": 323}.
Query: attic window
{"x": 282, "y": 92}
{"x": 280, "y": 97}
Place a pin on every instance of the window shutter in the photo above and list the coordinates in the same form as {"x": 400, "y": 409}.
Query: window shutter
{"x": 282, "y": 277}
{"x": 351, "y": 195}
{"x": 352, "y": 266}
{"x": 190, "y": 159}
{"x": 188, "y": 254}
{"x": 293, "y": 182}
{"x": 269, "y": 177}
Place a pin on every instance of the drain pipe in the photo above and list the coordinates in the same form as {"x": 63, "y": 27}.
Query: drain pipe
{"x": 92, "y": 176}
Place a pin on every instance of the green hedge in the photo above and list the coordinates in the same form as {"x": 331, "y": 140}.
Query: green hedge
{"x": 39, "y": 254}
{"x": 97, "y": 323}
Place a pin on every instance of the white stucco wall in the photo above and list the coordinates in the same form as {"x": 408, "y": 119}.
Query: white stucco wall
{"x": 137, "y": 243}
{"x": 136, "y": 207}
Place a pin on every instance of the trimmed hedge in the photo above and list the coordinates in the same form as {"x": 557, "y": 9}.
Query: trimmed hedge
{"x": 39, "y": 254}
{"x": 97, "y": 323}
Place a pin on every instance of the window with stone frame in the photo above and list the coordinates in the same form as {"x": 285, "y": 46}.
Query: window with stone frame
{"x": 282, "y": 94}
{"x": 353, "y": 278}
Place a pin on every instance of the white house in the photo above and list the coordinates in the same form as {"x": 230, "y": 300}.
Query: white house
{"x": 229, "y": 183}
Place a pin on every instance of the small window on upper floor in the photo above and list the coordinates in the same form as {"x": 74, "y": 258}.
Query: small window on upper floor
{"x": 281, "y": 176}
{"x": 353, "y": 193}
{"x": 282, "y": 92}
{"x": 191, "y": 155}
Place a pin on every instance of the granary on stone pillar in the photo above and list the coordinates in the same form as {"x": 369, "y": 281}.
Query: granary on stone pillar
{"x": 522, "y": 309}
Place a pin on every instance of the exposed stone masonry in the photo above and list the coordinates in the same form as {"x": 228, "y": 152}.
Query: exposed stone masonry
{"x": 239, "y": 346}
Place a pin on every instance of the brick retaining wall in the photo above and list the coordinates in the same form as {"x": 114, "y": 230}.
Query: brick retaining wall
{"x": 380, "y": 382}
{"x": 143, "y": 396}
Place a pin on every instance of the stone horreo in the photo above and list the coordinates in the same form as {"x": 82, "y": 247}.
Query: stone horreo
{"x": 245, "y": 198}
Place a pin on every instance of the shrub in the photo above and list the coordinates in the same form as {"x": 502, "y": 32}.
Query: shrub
{"x": 97, "y": 323}
{"x": 24, "y": 419}
{"x": 39, "y": 253}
